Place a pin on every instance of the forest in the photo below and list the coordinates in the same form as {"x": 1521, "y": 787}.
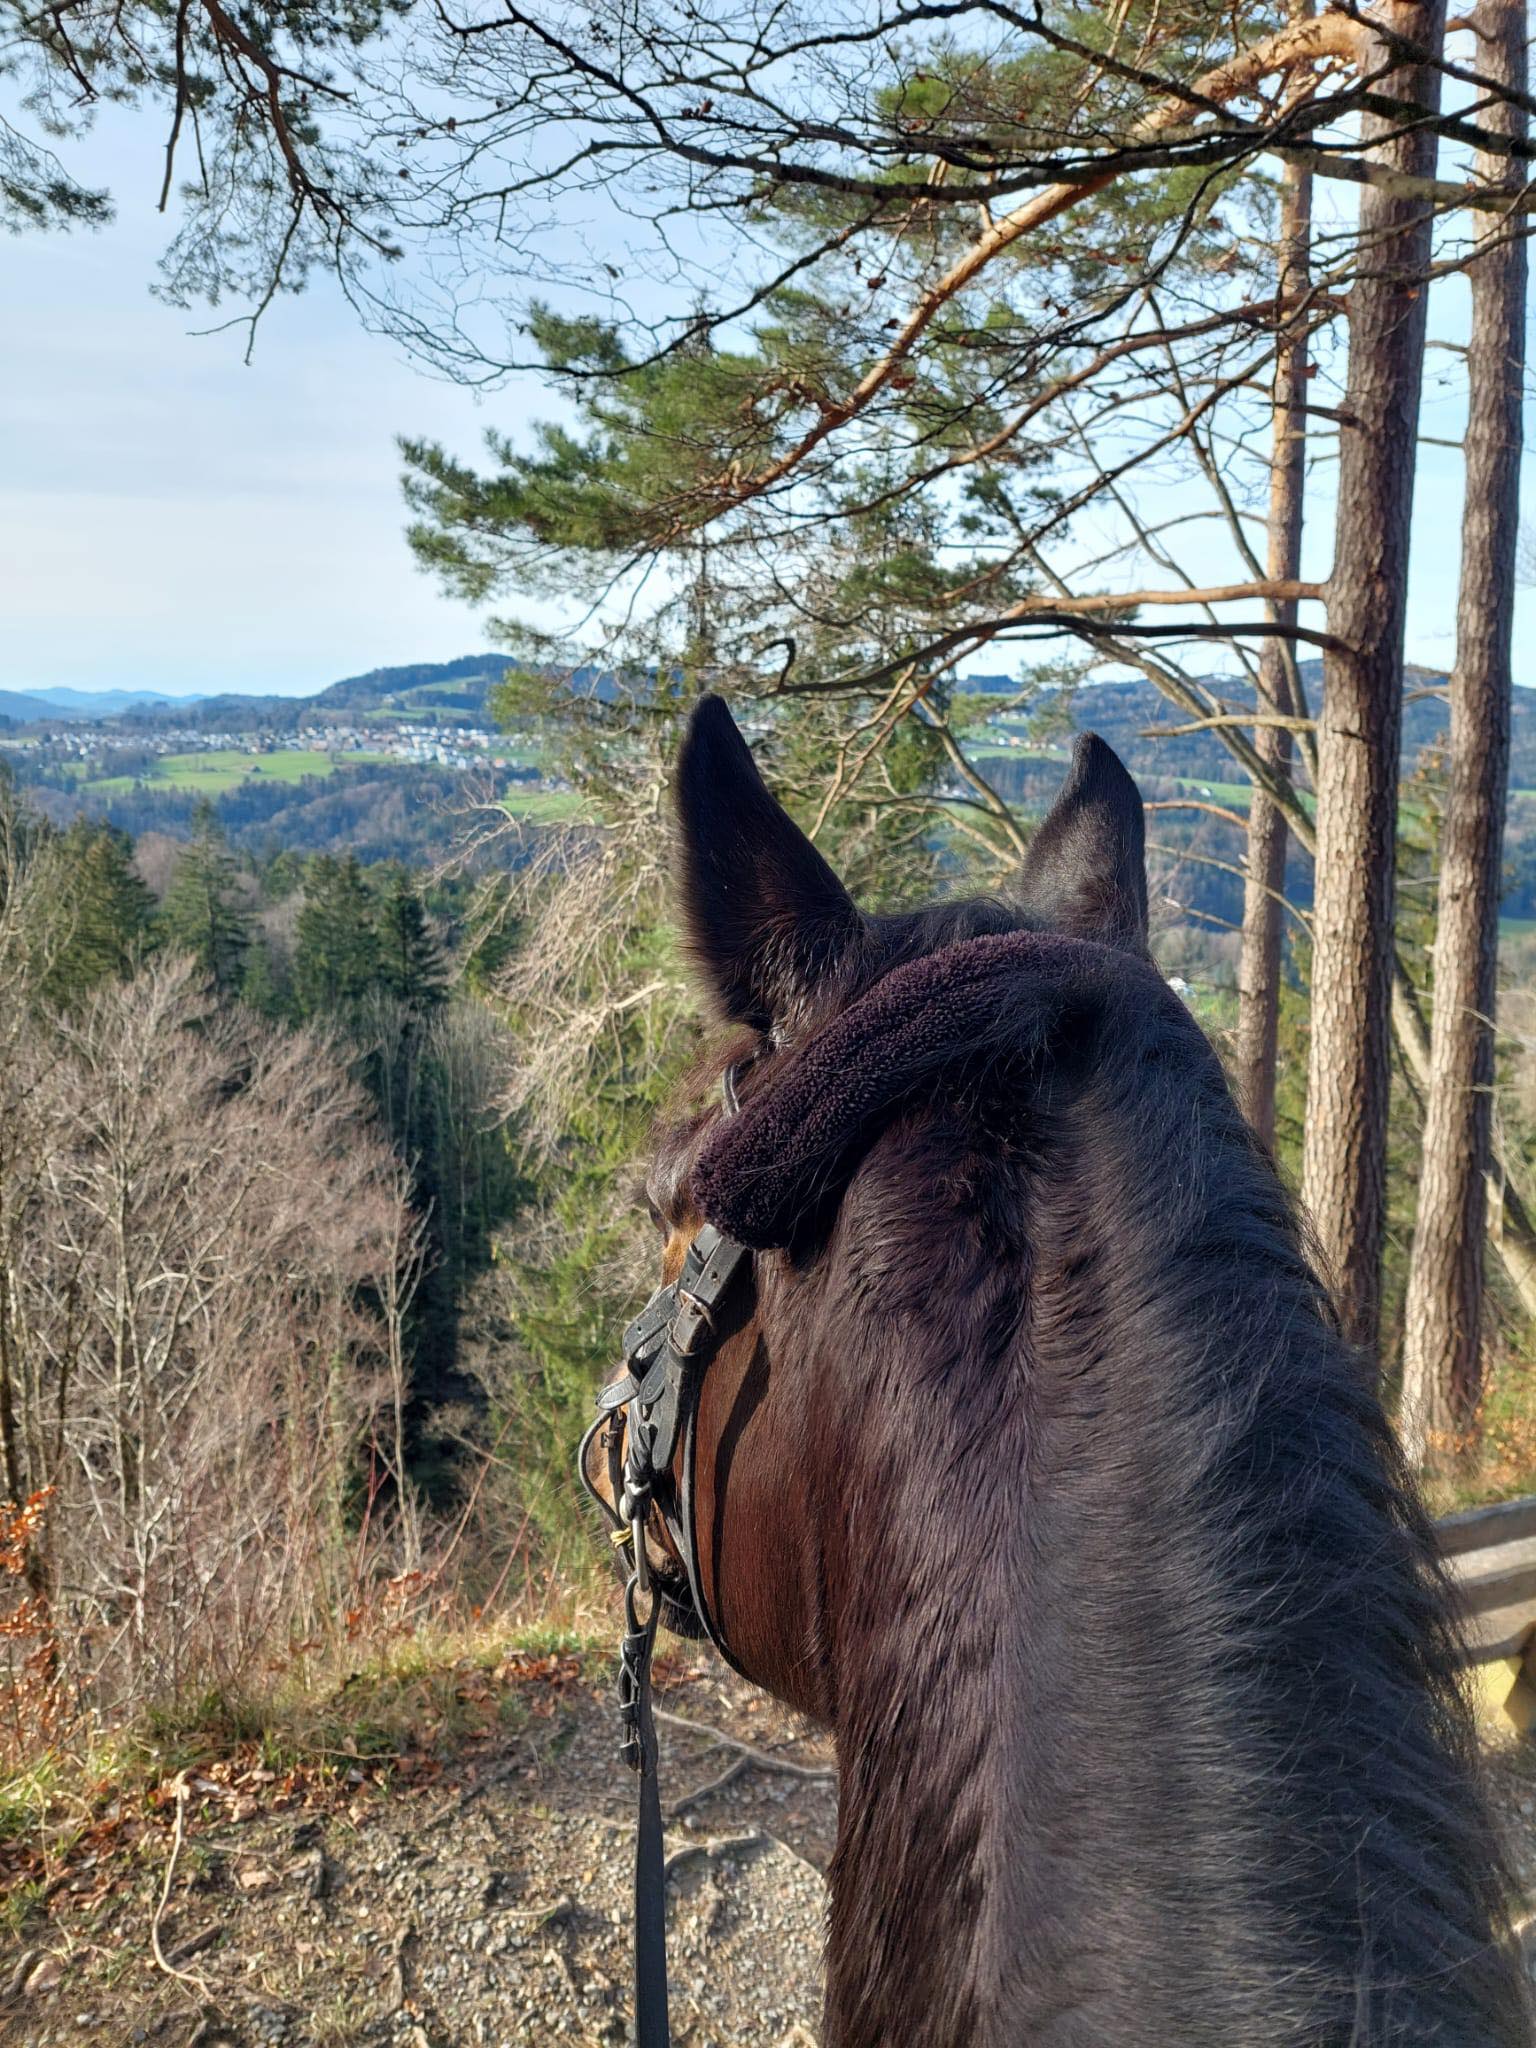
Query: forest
{"x": 952, "y": 377}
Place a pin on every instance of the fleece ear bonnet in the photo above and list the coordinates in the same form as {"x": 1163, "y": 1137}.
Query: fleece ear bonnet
{"x": 762, "y": 1175}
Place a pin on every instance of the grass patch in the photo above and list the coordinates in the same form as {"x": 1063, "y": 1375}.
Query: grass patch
{"x": 419, "y": 1700}
{"x": 26, "y": 1795}
{"x": 226, "y": 768}
{"x": 1053, "y": 755}
{"x": 19, "y": 1904}
{"x": 544, "y": 806}
{"x": 1500, "y": 1464}
{"x": 1235, "y": 795}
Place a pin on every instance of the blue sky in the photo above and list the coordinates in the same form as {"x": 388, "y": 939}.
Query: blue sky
{"x": 171, "y": 518}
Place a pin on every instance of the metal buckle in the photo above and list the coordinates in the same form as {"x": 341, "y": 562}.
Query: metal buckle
{"x": 634, "y": 1670}
{"x": 684, "y": 1334}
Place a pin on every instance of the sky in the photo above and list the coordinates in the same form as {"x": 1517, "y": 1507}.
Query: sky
{"x": 173, "y": 519}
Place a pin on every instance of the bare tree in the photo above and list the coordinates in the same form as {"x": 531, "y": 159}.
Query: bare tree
{"x": 400, "y": 1281}
{"x": 191, "y": 1357}
{"x": 1259, "y": 967}
{"x": 1442, "y": 1357}
{"x": 28, "y": 927}
{"x": 1360, "y": 721}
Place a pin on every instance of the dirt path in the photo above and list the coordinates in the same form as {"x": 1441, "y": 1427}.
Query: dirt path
{"x": 479, "y": 1902}
{"x": 463, "y": 1902}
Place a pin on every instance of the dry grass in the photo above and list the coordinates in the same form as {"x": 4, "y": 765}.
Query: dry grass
{"x": 401, "y": 1703}
{"x": 1497, "y": 1460}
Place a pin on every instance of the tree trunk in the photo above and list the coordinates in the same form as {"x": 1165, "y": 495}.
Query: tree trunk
{"x": 1442, "y": 1358}
{"x": 1258, "y": 974}
{"x": 1360, "y": 723}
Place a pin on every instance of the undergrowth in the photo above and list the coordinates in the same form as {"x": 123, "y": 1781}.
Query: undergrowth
{"x": 1498, "y": 1460}
{"x": 406, "y": 1705}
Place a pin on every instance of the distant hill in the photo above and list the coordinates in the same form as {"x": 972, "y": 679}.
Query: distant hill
{"x": 456, "y": 690}
{"x": 1126, "y": 713}
{"x": 1132, "y": 715}
{"x": 23, "y": 708}
{"x": 60, "y": 701}
{"x": 460, "y": 685}
{"x": 444, "y": 689}
{"x": 436, "y": 692}
{"x": 106, "y": 703}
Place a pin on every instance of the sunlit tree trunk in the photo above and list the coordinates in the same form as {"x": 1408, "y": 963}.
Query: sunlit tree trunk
{"x": 1258, "y": 978}
{"x": 1360, "y": 720}
{"x": 1442, "y": 1358}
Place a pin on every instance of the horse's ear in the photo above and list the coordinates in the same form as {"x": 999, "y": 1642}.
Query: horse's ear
{"x": 765, "y": 915}
{"x": 1085, "y": 873}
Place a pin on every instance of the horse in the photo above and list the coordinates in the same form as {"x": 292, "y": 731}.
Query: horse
{"x": 1031, "y": 1463}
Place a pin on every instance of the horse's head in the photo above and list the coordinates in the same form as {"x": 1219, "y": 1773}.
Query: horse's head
{"x": 1017, "y": 1443}
{"x": 835, "y": 1026}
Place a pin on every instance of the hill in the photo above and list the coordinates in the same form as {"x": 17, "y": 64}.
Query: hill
{"x": 461, "y": 685}
{"x": 1131, "y": 714}
{"x": 433, "y": 692}
{"x": 60, "y": 701}
{"x": 22, "y": 708}
{"x": 72, "y": 703}
{"x": 1136, "y": 719}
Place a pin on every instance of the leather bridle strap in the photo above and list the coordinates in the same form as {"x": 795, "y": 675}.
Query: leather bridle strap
{"x": 666, "y": 1351}
{"x": 652, "y": 2028}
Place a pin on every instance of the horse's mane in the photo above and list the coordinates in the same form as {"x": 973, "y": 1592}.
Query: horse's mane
{"x": 1319, "y": 1618}
{"x": 1238, "y": 1633}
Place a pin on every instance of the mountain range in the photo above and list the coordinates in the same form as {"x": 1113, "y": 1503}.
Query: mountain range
{"x": 435, "y": 682}
{"x": 60, "y": 701}
{"x": 1127, "y": 713}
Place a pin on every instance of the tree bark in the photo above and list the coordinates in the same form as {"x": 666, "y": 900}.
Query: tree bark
{"x": 1360, "y": 723}
{"x": 1258, "y": 974}
{"x": 1442, "y": 1357}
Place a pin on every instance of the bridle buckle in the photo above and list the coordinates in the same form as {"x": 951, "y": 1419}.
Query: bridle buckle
{"x": 693, "y": 1318}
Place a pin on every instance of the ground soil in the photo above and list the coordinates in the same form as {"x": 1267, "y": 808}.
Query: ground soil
{"x": 464, "y": 1896}
{"x": 459, "y": 1900}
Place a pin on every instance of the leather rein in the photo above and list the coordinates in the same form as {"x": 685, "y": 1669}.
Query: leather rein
{"x": 646, "y": 1418}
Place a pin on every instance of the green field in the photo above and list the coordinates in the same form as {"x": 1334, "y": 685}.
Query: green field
{"x": 211, "y": 774}
{"x": 1234, "y": 795}
{"x": 543, "y": 806}
{"x": 1057, "y": 756}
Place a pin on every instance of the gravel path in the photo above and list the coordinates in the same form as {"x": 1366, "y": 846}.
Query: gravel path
{"x": 477, "y": 1900}
{"x": 482, "y": 1903}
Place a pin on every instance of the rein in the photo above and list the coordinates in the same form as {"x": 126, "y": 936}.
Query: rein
{"x": 647, "y": 1417}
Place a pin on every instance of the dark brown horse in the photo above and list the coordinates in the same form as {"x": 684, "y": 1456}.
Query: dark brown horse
{"x": 1031, "y": 1462}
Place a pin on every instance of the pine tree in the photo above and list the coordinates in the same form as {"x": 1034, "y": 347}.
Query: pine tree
{"x": 280, "y": 875}
{"x": 1443, "y": 1349}
{"x": 263, "y": 987}
{"x": 205, "y": 913}
{"x": 410, "y": 965}
{"x": 336, "y": 960}
{"x": 1344, "y": 1160}
{"x": 104, "y": 913}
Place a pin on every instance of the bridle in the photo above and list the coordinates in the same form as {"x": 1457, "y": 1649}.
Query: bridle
{"x": 647, "y": 1418}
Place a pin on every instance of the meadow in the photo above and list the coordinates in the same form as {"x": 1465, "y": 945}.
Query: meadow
{"x": 212, "y": 773}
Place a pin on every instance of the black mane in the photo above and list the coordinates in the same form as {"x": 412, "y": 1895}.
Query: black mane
{"x": 1118, "y": 1597}
{"x": 1072, "y": 1360}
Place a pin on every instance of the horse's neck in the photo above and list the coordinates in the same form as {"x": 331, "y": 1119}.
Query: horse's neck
{"x": 953, "y": 1699}
{"x": 1118, "y": 1762}
{"x": 922, "y": 1895}
{"x": 1017, "y": 1859}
